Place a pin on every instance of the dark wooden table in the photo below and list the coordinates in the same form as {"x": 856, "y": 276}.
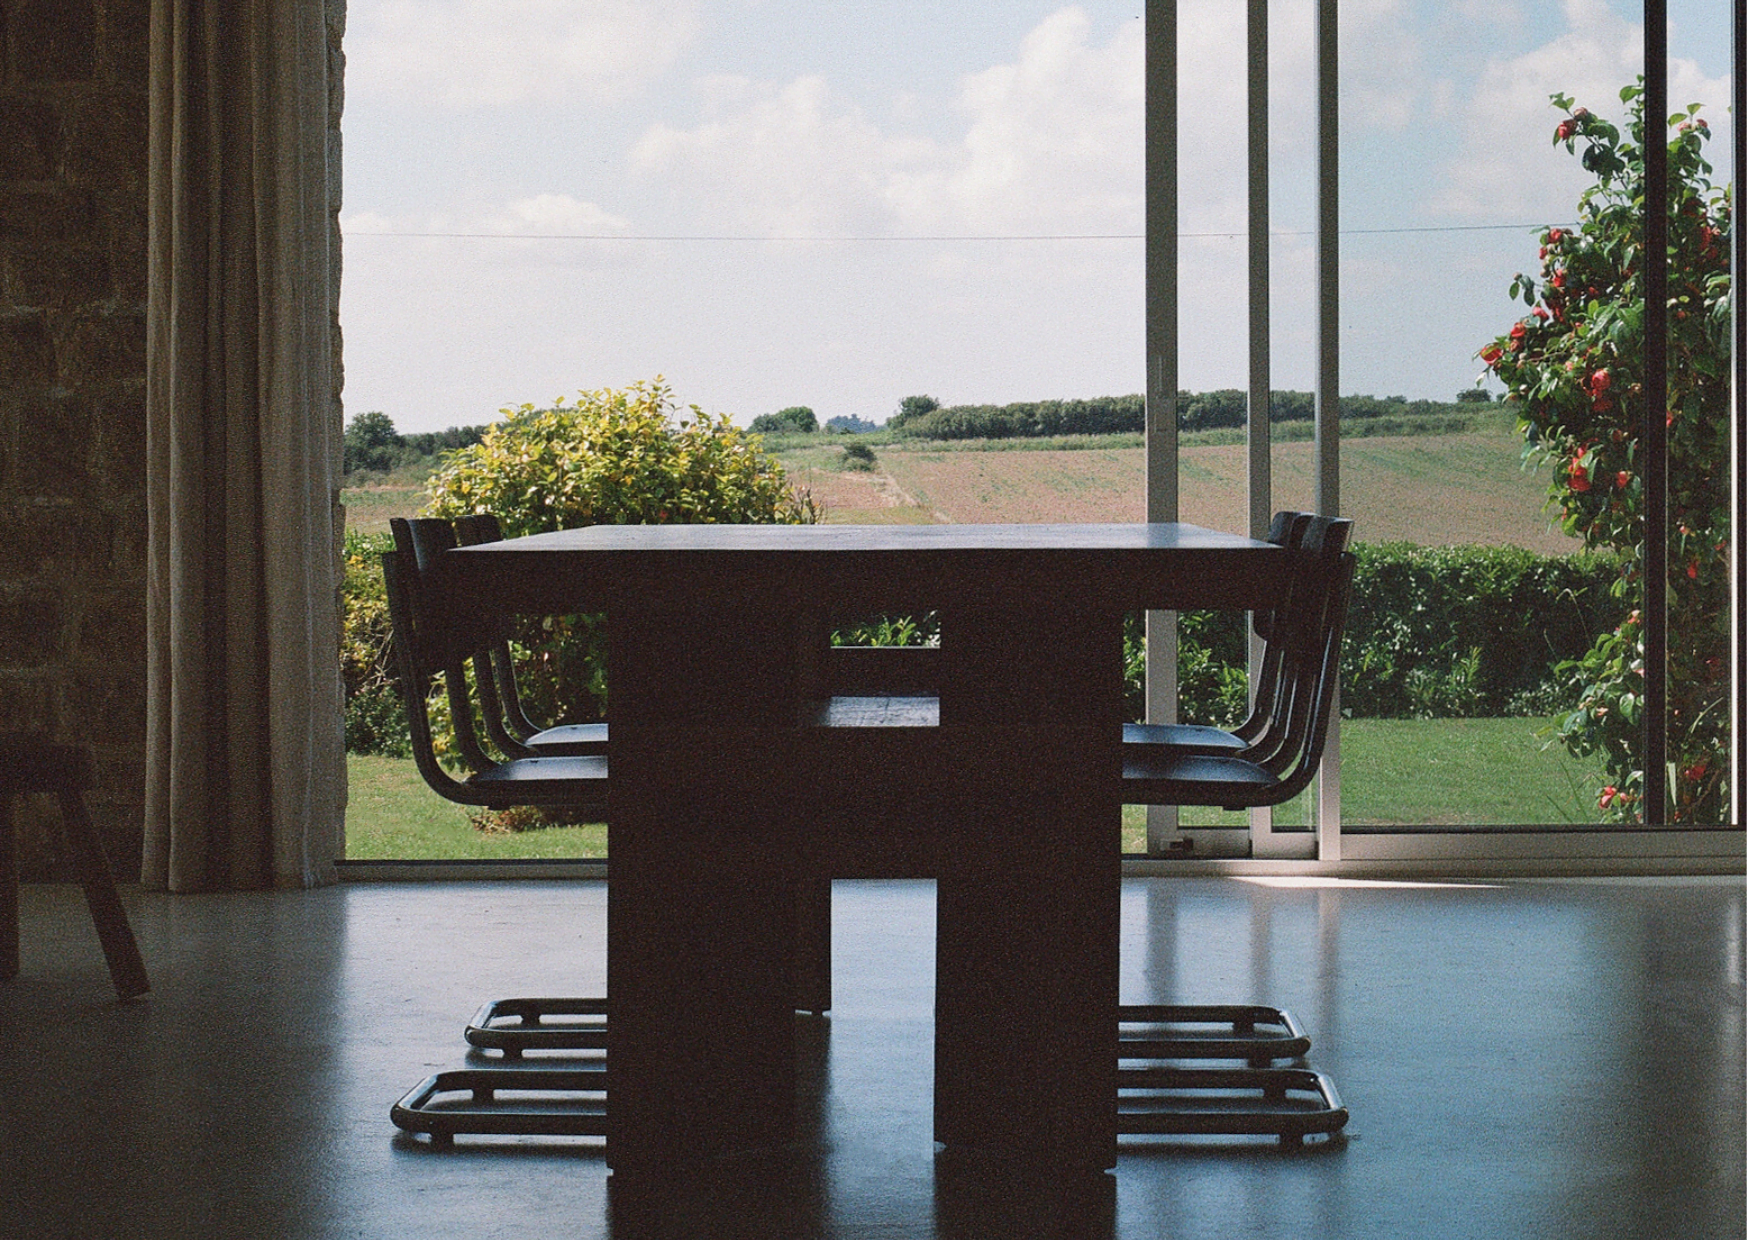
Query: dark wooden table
{"x": 711, "y": 634}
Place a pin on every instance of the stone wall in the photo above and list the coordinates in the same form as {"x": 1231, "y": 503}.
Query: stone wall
{"x": 72, "y": 397}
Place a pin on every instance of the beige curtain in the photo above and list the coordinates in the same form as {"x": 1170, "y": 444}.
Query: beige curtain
{"x": 245, "y": 758}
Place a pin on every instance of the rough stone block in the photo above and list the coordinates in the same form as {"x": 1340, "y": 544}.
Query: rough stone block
{"x": 128, "y": 545}
{"x": 30, "y": 628}
{"x": 95, "y": 346}
{"x": 52, "y": 449}
{"x": 43, "y": 276}
{"x": 27, "y": 358}
{"x": 122, "y": 225}
{"x": 53, "y": 40}
{"x": 118, "y": 466}
{"x": 112, "y": 628}
{"x": 27, "y": 702}
{"x": 106, "y": 142}
{"x": 28, "y": 131}
{"x": 44, "y": 215}
{"x": 123, "y": 27}
{"x": 57, "y": 537}
{"x": 111, "y": 698}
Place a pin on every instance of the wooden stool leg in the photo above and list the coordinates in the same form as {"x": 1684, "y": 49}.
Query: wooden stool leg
{"x": 8, "y": 894}
{"x": 126, "y": 969}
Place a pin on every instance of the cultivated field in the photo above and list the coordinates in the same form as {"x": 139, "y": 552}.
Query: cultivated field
{"x": 1434, "y": 490}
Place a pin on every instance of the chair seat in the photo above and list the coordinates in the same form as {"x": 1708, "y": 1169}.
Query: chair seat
{"x": 1186, "y": 736}
{"x": 36, "y": 764}
{"x": 570, "y": 740}
{"x": 543, "y": 781}
{"x": 1161, "y": 776}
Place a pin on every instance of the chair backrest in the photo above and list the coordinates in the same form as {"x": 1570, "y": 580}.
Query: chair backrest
{"x": 1286, "y": 530}
{"x": 1298, "y": 636}
{"x": 445, "y": 639}
{"x": 507, "y": 722}
{"x": 1312, "y": 656}
{"x": 419, "y": 655}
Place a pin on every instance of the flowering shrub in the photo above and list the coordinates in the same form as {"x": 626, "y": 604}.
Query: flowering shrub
{"x": 616, "y": 457}
{"x": 1574, "y": 365}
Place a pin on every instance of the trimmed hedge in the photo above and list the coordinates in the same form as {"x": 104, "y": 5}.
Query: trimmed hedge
{"x": 1432, "y": 633}
{"x": 1196, "y": 411}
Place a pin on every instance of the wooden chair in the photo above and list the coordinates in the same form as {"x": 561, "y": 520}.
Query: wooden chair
{"x": 506, "y": 719}
{"x": 1279, "y": 764}
{"x": 1286, "y": 530}
{"x": 431, "y": 640}
{"x": 1155, "y": 1093}
{"x": 33, "y": 764}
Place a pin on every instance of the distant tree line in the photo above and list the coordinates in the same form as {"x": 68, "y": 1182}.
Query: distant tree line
{"x": 926, "y": 418}
{"x": 373, "y": 445}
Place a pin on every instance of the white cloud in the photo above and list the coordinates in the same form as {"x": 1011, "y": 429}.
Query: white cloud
{"x": 1506, "y": 166}
{"x": 462, "y": 54}
{"x": 1052, "y": 142}
{"x": 1383, "y": 37}
{"x": 555, "y": 215}
{"x": 1055, "y": 139}
{"x": 547, "y": 230}
{"x": 784, "y": 161}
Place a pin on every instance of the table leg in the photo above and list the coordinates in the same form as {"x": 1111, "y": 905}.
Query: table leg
{"x": 701, "y": 911}
{"x": 1027, "y": 920}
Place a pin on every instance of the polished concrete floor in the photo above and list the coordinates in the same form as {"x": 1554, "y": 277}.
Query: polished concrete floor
{"x": 1532, "y": 1059}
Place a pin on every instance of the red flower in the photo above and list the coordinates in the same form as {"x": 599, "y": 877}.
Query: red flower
{"x": 1558, "y": 279}
{"x": 1542, "y": 313}
{"x": 1621, "y": 479}
{"x": 1608, "y": 794}
{"x": 1566, "y": 130}
{"x": 1693, "y": 570}
{"x": 1600, "y": 382}
{"x": 1554, "y": 235}
{"x": 1577, "y": 477}
{"x": 1518, "y": 332}
{"x": 1696, "y": 772}
{"x": 1491, "y": 354}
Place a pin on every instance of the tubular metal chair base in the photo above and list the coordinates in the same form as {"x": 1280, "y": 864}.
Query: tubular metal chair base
{"x": 1152, "y": 1098}
{"x": 1160, "y": 1101}
{"x": 490, "y": 1028}
{"x": 1257, "y": 1034}
{"x": 567, "y": 1101}
{"x": 557, "y": 1102}
{"x": 1157, "y": 1096}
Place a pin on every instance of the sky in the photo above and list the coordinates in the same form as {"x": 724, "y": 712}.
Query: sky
{"x": 780, "y": 202}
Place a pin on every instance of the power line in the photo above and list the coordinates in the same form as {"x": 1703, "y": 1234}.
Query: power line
{"x": 932, "y": 238}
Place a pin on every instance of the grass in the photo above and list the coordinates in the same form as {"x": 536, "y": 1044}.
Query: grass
{"x": 392, "y": 815}
{"x": 1437, "y": 772}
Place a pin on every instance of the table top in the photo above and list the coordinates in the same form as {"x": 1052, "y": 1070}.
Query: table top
{"x": 910, "y": 539}
{"x": 691, "y": 567}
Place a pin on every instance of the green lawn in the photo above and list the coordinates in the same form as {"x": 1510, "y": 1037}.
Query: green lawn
{"x": 1394, "y": 772}
{"x": 392, "y": 815}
